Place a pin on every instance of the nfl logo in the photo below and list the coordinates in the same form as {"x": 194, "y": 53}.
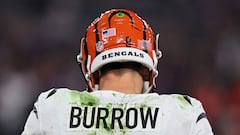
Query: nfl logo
{"x": 99, "y": 46}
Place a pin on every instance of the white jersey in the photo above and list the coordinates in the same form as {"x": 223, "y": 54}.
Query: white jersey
{"x": 68, "y": 112}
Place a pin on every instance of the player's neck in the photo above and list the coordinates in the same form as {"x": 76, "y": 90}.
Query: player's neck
{"x": 122, "y": 80}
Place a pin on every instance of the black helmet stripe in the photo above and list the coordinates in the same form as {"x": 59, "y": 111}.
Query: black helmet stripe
{"x": 144, "y": 36}
{"x": 97, "y": 36}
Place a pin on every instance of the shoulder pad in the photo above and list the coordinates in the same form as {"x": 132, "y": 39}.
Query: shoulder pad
{"x": 186, "y": 101}
{"x": 52, "y": 92}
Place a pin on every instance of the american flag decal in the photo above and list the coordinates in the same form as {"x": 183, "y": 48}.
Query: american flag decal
{"x": 109, "y": 32}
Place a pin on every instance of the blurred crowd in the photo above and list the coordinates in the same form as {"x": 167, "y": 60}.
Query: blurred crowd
{"x": 200, "y": 40}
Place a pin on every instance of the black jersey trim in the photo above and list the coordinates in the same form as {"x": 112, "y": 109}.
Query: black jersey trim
{"x": 201, "y": 116}
{"x": 188, "y": 99}
{"x": 35, "y": 111}
{"x": 51, "y": 93}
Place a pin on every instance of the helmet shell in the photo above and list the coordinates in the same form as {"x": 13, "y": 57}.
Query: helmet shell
{"x": 118, "y": 35}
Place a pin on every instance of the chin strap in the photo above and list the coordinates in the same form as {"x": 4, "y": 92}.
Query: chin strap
{"x": 86, "y": 70}
{"x": 157, "y": 54}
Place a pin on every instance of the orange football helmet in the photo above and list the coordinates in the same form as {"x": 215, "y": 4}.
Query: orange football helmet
{"x": 119, "y": 35}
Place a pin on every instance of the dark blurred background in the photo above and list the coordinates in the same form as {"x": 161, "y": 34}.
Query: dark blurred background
{"x": 200, "y": 40}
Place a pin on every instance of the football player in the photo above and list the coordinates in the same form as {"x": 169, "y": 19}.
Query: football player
{"x": 118, "y": 57}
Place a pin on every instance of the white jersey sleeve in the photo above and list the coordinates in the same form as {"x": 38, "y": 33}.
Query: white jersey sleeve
{"x": 186, "y": 113}
{"x": 32, "y": 126}
{"x": 202, "y": 125}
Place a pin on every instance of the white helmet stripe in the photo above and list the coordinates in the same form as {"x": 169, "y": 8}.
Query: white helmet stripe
{"x": 123, "y": 54}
